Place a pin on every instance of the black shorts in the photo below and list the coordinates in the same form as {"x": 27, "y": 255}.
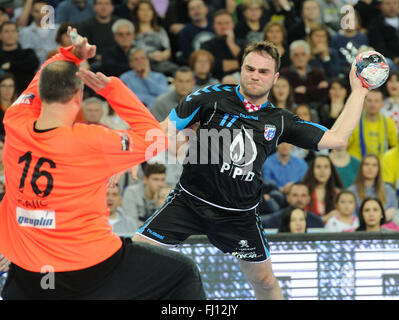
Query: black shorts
{"x": 137, "y": 271}
{"x": 239, "y": 233}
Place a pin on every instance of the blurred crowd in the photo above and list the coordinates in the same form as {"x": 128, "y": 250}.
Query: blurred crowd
{"x": 164, "y": 50}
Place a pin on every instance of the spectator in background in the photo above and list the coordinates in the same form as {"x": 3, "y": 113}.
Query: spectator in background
{"x": 369, "y": 183}
{"x": 390, "y": 168}
{"x": 144, "y": 82}
{"x": 115, "y": 60}
{"x": 348, "y": 42}
{"x": 7, "y": 96}
{"x": 371, "y": 216}
{"x": 282, "y": 11}
{"x": 322, "y": 56}
{"x": 283, "y": 168}
{"x": 250, "y": 29}
{"x": 197, "y": 31}
{"x": 139, "y": 199}
{"x": 62, "y": 38}
{"x": 293, "y": 220}
{"x": 98, "y": 28}
{"x": 310, "y": 85}
{"x": 337, "y": 94}
{"x": 298, "y": 195}
{"x": 3, "y": 15}
{"x": 201, "y": 62}
{"x": 324, "y": 184}
{"x": 310, "y": 15}
{"x": 22, "y": 63}
{"x": 304, "y": 112}
{"x": 282, "y": 95}
{"x": 183, "y": 84}
{"x": 125, "y": 9}
{"x": 74, "y": 11}
{"x": 120, "y": 222}
{"x": 391, "y": 102}
{"x": 375, "y": 133}
{"x": 224, "y": 47}
{"x": 162, "y": 195}
{"x": 230, "y": 79}
{"x": 152, "y": 38}
{"x": 345, "y": 164}
{"x": 367, "y": 10}
{"x": 345, "y": 205}
{"x": 37, "y": 36}
{"x": 330, "y": 11}
{"x": 111, "y": 119}
{"x": 383, "y": 31}
{"x": 276, "y": 33}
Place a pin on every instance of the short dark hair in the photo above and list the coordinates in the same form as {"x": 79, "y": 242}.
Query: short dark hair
{"x": 58, "y": 82}
{"x": 263, "y": 46}
{"x": 154, "y": 168}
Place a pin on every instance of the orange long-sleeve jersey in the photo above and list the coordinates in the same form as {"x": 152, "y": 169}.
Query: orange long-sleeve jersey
{"x": 54, "y": 211}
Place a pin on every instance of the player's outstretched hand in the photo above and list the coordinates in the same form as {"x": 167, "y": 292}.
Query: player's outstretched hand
{"x": 82, "y": 49}
{"x": 96, "y": 81}
{"x": 355, "y": 82}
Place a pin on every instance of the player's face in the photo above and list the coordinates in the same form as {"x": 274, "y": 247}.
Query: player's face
{"x": 372, "y": 213}
{"x": 346, "y": 204}
{"x": 258, "y": 75}
{"x": 298, "y": 196}
{"x": 298, "y": 221}
{"x": 322, "y": 170}
{"x": 370, "y": 168}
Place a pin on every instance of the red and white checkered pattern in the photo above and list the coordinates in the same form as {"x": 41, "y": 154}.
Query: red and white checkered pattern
{"x": 250, "y": 107}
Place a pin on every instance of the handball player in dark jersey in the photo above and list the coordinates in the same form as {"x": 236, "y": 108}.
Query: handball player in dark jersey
{"x": 220, "y": 187}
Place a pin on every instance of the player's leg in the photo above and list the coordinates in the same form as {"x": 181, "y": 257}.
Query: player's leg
{"x": 242, "y": 235}
{"x": 262, "y": 279}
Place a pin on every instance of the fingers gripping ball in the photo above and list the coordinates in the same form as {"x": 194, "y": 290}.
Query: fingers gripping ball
{"x": 372, "y": 69}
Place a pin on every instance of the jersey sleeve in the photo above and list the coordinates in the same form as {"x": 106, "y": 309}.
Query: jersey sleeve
{"x": 298, "y": 132}
{"x": 123, "y": 149}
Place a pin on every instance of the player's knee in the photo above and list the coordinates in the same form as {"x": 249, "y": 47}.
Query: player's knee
{"x": 264, "y": 281}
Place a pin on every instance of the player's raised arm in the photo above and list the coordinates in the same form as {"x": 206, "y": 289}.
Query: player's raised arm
{"x": 338, "y": 136}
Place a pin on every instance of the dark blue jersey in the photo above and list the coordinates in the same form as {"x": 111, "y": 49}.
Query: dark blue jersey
{"x": 223, "y": 164}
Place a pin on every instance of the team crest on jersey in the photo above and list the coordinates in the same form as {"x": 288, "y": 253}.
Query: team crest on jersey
{"x": 270, "y": 131}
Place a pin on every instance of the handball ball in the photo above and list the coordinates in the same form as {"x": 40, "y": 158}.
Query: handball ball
{"x": 372, "y": 69}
